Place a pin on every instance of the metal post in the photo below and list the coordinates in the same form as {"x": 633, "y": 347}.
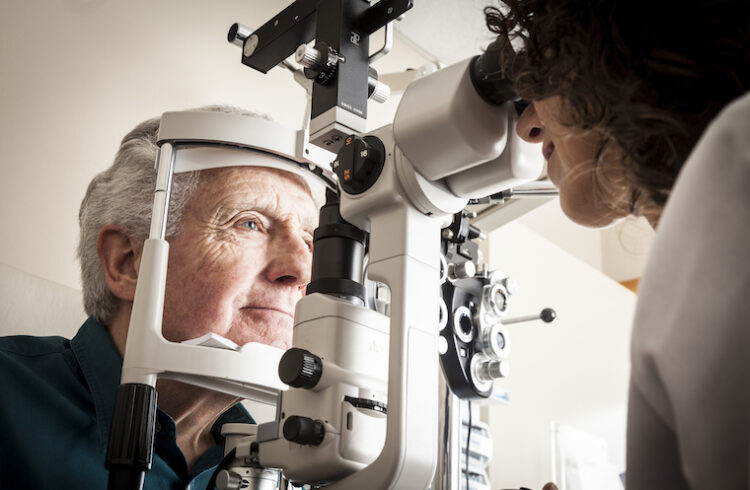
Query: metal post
{"x": 448, "y": 473}
{"x": 164, "y": 172}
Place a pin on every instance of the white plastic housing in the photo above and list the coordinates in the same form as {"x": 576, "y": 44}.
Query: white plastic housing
{"x": 520, "y": 162}
{"x": 352, "y": 341}
{"x": 443, "y": 126}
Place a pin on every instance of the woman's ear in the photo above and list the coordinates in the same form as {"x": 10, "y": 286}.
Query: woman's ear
{"x": 120, "y": 261}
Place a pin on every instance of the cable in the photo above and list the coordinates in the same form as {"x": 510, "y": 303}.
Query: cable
{"x": 468, "y": 442}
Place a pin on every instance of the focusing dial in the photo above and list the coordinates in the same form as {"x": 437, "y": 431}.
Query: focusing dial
{"x": 300, "y": 368}
{"x": 359, "y": 163}
{"x": 303, "y": 430}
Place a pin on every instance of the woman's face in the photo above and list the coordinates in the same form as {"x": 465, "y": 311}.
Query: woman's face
{"x": 586, "y": 188}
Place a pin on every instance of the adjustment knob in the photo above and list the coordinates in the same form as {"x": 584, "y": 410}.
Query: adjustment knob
{"x": 360, "y": 162}
{"x": 309, "y": 57}
{"x": 300, "y": 368}
{"x": 381, "y": 93}
{"x": 464, "y": 270}
{"x": 303, "y": 430}
{"x": 547, "y": 315}
{"x": 229, "y": 480}
{"x": 238, "y": 34}
{"x": 490, "y": 370}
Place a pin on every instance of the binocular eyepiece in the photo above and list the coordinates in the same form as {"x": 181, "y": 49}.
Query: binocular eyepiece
{"x": 491, "y": 81}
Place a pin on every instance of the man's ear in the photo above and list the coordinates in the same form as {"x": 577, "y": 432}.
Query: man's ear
{"x": 120, "y": 261}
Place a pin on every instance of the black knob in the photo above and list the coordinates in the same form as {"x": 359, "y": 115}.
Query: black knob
{"x": 303, "y": 430}
{"x": 300, "y": 368}
{"x": 547, "y": 315}
{"x": 360, "y": 162}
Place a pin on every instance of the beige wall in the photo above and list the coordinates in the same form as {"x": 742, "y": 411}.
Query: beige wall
{"x": 77, "y": 75}
{"x": 574, "y": 371}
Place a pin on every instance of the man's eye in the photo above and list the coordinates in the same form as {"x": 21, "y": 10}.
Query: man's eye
{"x": 250, "y": 224}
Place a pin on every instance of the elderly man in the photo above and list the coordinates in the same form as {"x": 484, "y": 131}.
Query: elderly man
{"x": 240, "y": 257}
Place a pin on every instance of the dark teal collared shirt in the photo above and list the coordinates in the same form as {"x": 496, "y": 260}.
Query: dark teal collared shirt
{"x": 56, "y": 402}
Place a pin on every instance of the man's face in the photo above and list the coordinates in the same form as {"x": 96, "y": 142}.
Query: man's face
{"x": 242, "y": 258}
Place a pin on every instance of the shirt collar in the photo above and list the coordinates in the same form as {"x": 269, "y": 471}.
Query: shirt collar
{"x": 101, "y": 365}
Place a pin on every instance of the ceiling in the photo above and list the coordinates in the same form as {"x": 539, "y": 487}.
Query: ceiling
{"x": 449, "y": 30}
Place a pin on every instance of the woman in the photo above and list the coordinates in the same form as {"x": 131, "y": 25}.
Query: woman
{"x": 642, "y": 108}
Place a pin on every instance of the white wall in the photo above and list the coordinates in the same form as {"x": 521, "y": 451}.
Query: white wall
{"x": 77, "y": 75}
{"x": 625, "y": 248}
{"x": 549, "y": 221}
{"x": 573, "y": 371}
{"x": 619, "y": 251}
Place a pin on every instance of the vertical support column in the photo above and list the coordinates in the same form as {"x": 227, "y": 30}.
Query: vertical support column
{"x": 336, "y": 26}
{"x": 404, "y": 254}
{"x": 164, "y": 172}
{"x": 131, "y": 438}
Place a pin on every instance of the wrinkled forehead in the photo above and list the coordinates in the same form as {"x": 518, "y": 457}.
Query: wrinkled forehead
{"x": 201, "y": 158}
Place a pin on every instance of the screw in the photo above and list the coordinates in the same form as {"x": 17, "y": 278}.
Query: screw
{"x": 336, "y": 137}
{"x": 328, "y": 142}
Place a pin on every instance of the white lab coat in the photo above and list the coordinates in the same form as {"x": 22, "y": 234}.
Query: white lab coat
{"x": 689, "y": 414}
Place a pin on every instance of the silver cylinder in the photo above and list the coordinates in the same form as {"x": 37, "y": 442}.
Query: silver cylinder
{"x": 488, "y": 371}
{"x": 308, "y": 57}
{"x": 238, "y": 34}
{"x": 164, "y": 170}
{"x": 381, "y": 93}
{"x": 463, "y": 270}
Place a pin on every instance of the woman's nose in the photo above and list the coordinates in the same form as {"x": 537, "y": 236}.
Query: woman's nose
{"x": 529, "y": 127}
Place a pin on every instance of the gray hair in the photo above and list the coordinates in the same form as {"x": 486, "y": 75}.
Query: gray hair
{"x": 123, "y": 195}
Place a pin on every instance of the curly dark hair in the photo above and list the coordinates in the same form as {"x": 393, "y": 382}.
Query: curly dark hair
{"x": 649, "y": 75}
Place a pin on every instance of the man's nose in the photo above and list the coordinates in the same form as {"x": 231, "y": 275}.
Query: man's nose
{"x": 291, "y": 260}
{"x": 529, "y": 127}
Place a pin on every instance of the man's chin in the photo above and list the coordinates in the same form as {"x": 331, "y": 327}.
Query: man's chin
{"x": 270, "y": 327}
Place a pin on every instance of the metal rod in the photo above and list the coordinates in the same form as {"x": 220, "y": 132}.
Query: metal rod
{"x": 164, "y": 171}
{"x": 520, "y": 319}
{"x": 543, "y": 188}
{"x": 448, "y": 473}
{"x": 534, "y": 193}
